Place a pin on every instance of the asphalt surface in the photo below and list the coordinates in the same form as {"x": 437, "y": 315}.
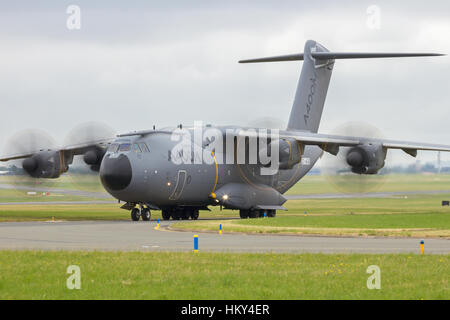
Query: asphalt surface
{"x": 141, "y": 236}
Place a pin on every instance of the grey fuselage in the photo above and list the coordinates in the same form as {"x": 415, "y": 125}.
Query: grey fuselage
{"x": 154, "y": 179}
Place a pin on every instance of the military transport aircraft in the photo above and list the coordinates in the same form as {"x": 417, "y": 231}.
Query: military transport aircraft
{"x": 183, "y": 170}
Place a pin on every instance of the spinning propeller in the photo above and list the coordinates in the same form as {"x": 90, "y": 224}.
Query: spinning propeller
{"x": 42, "y": 159}
{"x": 354, "y": 169}
{"x": 82, "y": 172}
{"x": 30, "y": 172}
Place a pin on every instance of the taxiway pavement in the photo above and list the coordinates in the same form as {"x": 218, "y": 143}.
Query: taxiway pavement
{"x": 141, "y": 236}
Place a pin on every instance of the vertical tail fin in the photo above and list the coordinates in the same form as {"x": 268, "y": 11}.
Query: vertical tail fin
{"x": 315, "y": 77}
{"x": 312, "y": 86}
{"x": 311, "y": 90}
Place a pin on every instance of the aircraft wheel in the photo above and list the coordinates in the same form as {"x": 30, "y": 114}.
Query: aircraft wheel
{"x": 185, "y": 214}
{"x": 135, "y": 214}
{"x": 176, "y": 214}
{"x": 254, "y": 214}
{"x": 145, "y": 214}
{"x": 165, "y": 214}
{"x": 194, "y": 214}
{"x": 243, "y": 214}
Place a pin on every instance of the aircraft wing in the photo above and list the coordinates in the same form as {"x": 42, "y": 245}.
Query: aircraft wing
{"x": 19, "y": 155}
{"x": 75, "y": 149}
{"x": 80, "y": 148}
{"x": 331, "y": 143}
{"x": 146, "y": 132}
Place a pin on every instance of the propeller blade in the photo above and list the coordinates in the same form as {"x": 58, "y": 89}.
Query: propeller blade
{"x": 338, "y": 169}
{"x": 83, "y": 171}
{"x": 29, "y": 141}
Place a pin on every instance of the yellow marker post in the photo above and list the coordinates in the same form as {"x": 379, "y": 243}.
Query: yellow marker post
{"x": 220, "y": 229}
{"x": 53, "y": 219}
{"x": 422, "y": 244}
{"x": 157, "y": 224}
{"x": 196, "y": 243}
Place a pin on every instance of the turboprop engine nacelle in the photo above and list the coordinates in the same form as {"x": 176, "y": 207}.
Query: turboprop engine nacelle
{"x": 93, "y": 157}
{"x": 45, "y": 164}
{"x": 289, "y": 153}
{"x": 366, "y": 158}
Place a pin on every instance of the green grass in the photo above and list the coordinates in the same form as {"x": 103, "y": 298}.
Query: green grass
{"x": 428, "y": 220}
{"x": 162, "y": 275}
{"x": 308, "y": 185}
{"x": 22, "y": 196}
{"x": 62, "y": 212}
{"x": 413, "y": 216}
{"x": 391, "y": 205}
{"x": 75, "y": 212}
{"x": 184, "y": 275}
{"x": 388, "y": 183}
{"x": 83, "y": 182}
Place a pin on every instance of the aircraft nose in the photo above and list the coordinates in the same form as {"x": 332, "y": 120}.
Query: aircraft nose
{"x": 116, "y": 173}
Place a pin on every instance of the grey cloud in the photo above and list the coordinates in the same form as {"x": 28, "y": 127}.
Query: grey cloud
{"x": 142, "y": 63}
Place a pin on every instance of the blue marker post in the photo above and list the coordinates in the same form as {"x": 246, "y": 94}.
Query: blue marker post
{"x": 157, "y": 224}
{"x": 220, "y": 228}
{"x": 195, "y": 243}
{"x": 265, "y": 214}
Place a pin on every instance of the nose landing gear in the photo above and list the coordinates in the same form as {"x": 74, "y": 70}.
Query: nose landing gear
{"x": 136, "y": 214}
{"x": 145, "y": 214}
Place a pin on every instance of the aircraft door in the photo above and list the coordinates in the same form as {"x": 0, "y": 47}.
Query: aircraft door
{"x": 181, "y": 181}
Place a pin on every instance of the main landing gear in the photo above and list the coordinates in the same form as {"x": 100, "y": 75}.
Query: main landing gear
{"x": 186, "y": 213}
{"x": 255, "y": 213}
{"x": 176, "y": 213}
{"x": 143, "y": 213}
{"x": 180, "y": 213}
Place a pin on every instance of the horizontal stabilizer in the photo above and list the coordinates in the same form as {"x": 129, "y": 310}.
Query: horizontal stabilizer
{"x": 339, "y": 55}
{"x": 288, "y": 57}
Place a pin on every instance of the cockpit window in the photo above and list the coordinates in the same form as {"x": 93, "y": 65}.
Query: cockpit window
{"x": 144, "y": 147}
{"x": 136, "y": 148}
{"x": 125, "y": 147}
{"x": 113, "y": 147}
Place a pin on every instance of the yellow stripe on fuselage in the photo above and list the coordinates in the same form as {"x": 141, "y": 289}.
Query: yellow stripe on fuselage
{"x": 217, "y": 173}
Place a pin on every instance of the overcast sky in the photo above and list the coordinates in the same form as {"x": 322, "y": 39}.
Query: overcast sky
{"x": 140, "y": 63}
